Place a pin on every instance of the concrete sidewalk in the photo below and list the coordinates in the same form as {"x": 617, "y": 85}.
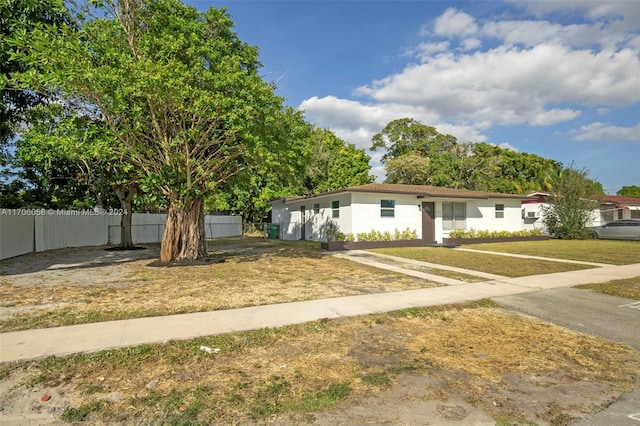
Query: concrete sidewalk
{"x": 33, "y": 344}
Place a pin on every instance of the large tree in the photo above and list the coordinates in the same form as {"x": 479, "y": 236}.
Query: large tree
{"x": 57, "y": 134}
{"x": 408, "y": 136}
{"x": 16, "y": 16}
{"x": 417, "y": 154}
{"x": 571, "y": 203}
{"x": 179, "y": 91}
{"x": 324, "y": 162}
{"x": 335, "y": 164}
{"x": 630, "y": 191}
{"x": 516, "y": 172}
{"x": 249, "y": 192}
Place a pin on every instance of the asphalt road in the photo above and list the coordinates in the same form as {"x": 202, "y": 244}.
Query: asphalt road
{"x": 611, "y": 317}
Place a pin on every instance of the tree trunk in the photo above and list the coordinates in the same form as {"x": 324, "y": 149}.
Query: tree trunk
{"x": 184, "y": 236}
{"x": 125, "y": 193}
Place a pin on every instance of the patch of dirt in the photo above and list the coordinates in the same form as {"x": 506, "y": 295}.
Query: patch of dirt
{"x": 24, "y": 405}
{"x": 407, "y": 403}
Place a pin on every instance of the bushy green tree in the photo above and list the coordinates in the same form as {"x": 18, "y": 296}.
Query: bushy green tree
{"x": 417, "y": 154}
{"x": 58, "y": 134}
{"x": 571, "y": 204}
{"x": 178, "y": 90}
{"x": 408, "y": 136}
{"x": 334, "y": 164}
{"x": 17, "y": 16}
{"x": 630, "y": 191}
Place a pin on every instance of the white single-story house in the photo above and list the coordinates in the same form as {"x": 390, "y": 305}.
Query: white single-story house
{"x": 431, "y": 212}
{"x": 612, "y": 207}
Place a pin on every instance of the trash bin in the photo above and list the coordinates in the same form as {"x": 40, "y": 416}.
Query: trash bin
{"x": 273, "y": 231}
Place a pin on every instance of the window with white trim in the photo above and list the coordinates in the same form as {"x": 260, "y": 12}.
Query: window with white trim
{"x": 454, "y": 215}
{"x": 316, "y": 208}
{"x": 499, "y": 211}
{"x": 387, "y": 208}
{"x": 335, "y": 209}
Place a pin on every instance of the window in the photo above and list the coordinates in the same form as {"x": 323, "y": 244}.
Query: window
{"x": 316, "y": 208}
{"x": 606, "y": 215}
{"x": 499, "y": 211}
{"x": 454, "y": 215}
{"x": 635, "y": 214}
{"x": 335, "y": 209}
{"x": 387, "y": 208}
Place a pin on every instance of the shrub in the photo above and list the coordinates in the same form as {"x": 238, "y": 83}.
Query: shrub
{"x": 373, "y": 235}
{"x": 473, "y": 233}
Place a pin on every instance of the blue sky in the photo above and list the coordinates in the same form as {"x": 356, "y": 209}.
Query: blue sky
{"x": 560, "y": 79}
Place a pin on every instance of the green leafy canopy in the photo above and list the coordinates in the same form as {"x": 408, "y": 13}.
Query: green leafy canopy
{"x": 177, "y": 89}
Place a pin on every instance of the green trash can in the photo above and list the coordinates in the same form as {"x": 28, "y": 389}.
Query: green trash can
{"x": 273, "y": 231}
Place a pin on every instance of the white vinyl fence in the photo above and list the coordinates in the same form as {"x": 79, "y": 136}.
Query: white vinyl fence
{"x": 24, "y": 231}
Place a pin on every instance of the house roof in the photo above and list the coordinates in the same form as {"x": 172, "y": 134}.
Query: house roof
{"x": 621, "y": 200}
{"x": 618, "y": 200}
{"x": 417, "y": 190}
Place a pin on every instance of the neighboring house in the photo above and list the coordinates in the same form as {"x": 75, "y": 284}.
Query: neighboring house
{"x": 612, "y": 207}
{"x": 432, "y": 212}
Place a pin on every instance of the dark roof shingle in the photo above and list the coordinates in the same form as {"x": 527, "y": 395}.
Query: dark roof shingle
{"x": 418, "y": 190}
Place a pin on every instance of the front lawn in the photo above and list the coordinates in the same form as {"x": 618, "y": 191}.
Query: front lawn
{"x": 599, "y": 251}
{"x": 515, "y": 368}
{"x": 499, "y": 265}
{"x": 66, "y": 287}
{"x": 622, "y": 288}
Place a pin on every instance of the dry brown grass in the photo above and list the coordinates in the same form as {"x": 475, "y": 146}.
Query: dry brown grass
{"x": 254, "y": 272}
{"x": 478, "y": 352}
{"x": 516, "y": 368}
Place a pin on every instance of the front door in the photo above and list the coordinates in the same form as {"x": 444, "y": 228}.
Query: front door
{"x": 303, "y": 221}
{"x": 428, "y": 223}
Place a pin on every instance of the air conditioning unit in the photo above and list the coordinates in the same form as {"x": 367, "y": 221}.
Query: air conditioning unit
{"x": 533, "y": 215}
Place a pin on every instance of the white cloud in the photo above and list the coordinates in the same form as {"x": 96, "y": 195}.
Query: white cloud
{"x": 357, "y": 123}
{"x": 602, "y": 131}
{"x": 426, "y": 50}
{"x": 470, "y": 44}
{"x": 554, "y": 116}
{"x": 510, "y": 85}
{"x": 453, "y": 23}
{"x": 538, "y": 72}
{"x": 612, "y": 20}
{"x": 531, "y": 33}
{"x": 627, "y": 9}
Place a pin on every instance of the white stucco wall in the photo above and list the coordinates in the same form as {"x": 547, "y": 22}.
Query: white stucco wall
{"x": 486, "y": 220}
{"x": 360, "y": 213}
{"x": 289, "y": 217}
{"x": 366, "y": 208}
{"x": 481, "y": 215}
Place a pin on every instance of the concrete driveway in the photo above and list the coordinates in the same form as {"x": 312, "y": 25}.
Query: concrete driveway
{"x": 611, "y": 317}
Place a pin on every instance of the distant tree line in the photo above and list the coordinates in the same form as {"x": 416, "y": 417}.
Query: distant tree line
{"x": 417, "y": 154}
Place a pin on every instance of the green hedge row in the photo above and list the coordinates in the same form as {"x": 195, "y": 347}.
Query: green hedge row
{"x": 474, "y": 233}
